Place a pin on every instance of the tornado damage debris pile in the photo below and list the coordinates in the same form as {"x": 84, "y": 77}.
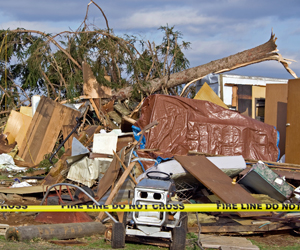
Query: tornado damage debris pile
{"x": 190, "y": 136}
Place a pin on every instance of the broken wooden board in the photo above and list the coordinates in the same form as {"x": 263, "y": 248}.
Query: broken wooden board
{"x": 26, "y": 190}
{"x": 121, "y": 109}
{"x": 218, "y": 182}
{"x": 242, "y": 229}
{"x": 116, "y": 189}
{"x": 220, "y": 242}
{"x": 115, "y": 116}
{"x": 16, "y": 127}
{"x": 26, "y": 111}
{"x": 3, "y": 228}
{"x": 46, "y": 124}
{"x": 91, "y": 87}
{"x": 109, "y": 178}
{"x": 207, "y": 94}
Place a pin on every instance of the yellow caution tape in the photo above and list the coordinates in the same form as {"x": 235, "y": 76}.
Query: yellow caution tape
{"x": 156, "y": 207}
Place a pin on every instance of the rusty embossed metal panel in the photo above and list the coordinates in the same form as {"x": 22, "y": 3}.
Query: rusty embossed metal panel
{"x": 218, "y": 182}
{"x": 292, "y": 143}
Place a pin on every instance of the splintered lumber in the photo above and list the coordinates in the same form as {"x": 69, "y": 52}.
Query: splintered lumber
{"x": 97, "y": 111}
{"x": 91, "y": 87}
{"x": 123, "y": 165}
{"x": 116, "y": 189}
{"x": 46, "y": 124}
{"x": 218, "y": 182}
{"x": 59, "y": 231}
{"x": 264, "y": 52}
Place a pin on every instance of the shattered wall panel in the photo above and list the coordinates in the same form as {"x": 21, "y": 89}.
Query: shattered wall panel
{"x": 44, "y": 129}
{"x": 187, "y": 124}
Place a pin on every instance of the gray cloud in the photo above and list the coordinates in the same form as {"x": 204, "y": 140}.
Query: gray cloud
{"x": 216, "y": 28}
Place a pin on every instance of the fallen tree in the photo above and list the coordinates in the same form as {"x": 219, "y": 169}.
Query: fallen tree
{"x": 264, "y": 52}
{"x": 30, "y": 62}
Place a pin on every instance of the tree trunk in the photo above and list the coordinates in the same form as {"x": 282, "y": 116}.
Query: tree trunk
{"x": 59, "y": 231}
{"x": 264, "y": 52}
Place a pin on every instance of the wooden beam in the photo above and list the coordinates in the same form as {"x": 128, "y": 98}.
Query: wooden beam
{"x": 118, "y": 158}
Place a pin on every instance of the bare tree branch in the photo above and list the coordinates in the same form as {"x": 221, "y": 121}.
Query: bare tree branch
{"x": 263, "y": 52}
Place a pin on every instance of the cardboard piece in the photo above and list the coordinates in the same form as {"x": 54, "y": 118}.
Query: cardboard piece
{"x": 105, "y": 143}
{"x": 86, "y": 171}
{"x": 207, "y": 94}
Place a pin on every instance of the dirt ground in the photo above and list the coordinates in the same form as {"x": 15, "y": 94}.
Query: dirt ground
{"x": 19, "y": 219}
{"x": 277, "y": 239}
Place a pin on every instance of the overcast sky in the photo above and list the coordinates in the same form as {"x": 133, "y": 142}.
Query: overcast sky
{"x": 215, "y": 28}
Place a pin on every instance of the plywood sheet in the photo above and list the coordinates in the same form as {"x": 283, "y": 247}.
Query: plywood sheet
{"x": 275, "y": 93}
{"x": 292, "y": 147}
{"x": 218, "y": 182}
{"x": 207, "y": 94}
{"x": 44, "y": 129}
{"x": 276, "y": 110}
{"x": 16, "y": 127}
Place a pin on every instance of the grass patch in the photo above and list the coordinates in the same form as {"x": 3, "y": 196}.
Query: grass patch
{"x": 263, "y": 246}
